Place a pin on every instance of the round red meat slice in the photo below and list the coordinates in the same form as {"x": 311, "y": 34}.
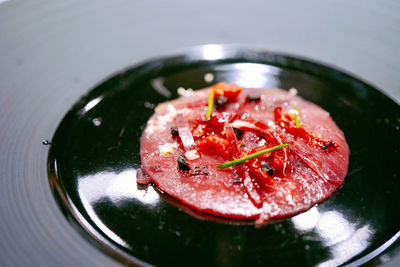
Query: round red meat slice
{"x": 180, "y": 151}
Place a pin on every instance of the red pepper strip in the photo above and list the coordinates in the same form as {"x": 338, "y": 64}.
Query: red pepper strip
{"x": 213, "y": 144}
{"x": 227, "y": 90}
{"x": 288, "y": 122}
{"x": 235, "y": 117}
{"x": 258, "y": 173}
{"x": 231, "y": 137}
{"x": 280, "y": 141}
{"x": 184, "y": 133}
{"x": 219, "y": 119}
{"x": 251, "y": 126}
{"x": 241, "y": 170}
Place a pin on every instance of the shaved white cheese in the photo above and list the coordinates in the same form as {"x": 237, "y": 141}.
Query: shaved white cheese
{"x": 184, "y": 132}
{"x": 192, "y": 155}
{"x": 293, "y": 111}
{"x": 151, "y": 128}
{"x": 167, "y": 148}
{"x": 262, "y": 142}
{"x": 161, "y": 122}
{"x": 271, "y": 124}
{"x": 293, "y": 91}
{"x": 242, "y": 124}
{"x": 169, "y": 116}
{"x": 185, "y": 92}
{"x": 184, "y": 111}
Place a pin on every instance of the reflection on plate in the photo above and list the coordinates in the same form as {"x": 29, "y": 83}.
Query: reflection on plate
{"x": 95, "y": 154}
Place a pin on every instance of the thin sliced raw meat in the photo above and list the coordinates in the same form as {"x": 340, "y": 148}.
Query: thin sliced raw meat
{"x": 276, "y": 184}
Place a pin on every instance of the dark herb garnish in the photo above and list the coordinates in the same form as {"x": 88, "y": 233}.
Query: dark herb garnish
{"x": 253, "y": 97}
{"x": 328, "y": 144}
{"x": 197, "y": 170}
{"x": 238, "y": 133}
{"x": 174, "y": 131}
{"x": 182, "y": 163}
{"x": 204, "y": 169}
{"x": 265, "y": 167}
{"x": 221, "y": 101}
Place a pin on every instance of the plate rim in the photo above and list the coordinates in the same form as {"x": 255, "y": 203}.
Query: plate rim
{"x": 229, "y": 53}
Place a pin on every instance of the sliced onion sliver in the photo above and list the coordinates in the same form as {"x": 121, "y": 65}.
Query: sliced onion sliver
{"x": 184, "y": 133}
{"x": 252, "y": 191}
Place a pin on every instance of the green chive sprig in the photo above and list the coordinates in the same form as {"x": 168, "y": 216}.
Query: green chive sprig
{"x": 251, "y": 156}
{"x": 210, "y": 103}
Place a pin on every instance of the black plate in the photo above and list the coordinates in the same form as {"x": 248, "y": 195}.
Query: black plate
{"x": 95, "y": 154}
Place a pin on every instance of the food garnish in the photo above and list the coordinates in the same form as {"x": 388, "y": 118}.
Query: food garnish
{"x": 247, "y": 155}
{"x": 210, "y": 103}
{"x": 296, "y": 116}
{"x": 251, "y": 156}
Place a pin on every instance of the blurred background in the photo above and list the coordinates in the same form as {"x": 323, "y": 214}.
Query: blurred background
{"x": 53, "y": 52}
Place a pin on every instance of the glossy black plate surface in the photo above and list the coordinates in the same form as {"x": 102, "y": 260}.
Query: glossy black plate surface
{"x": 95, "y": 154}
